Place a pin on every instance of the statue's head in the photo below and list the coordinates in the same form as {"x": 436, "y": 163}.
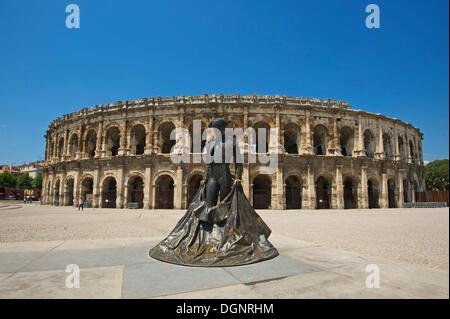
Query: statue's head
{"x": 219, "y": 123}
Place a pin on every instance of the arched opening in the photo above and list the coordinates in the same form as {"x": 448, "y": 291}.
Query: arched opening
{"x": 391, "y": 194}
{"x": 293, "y": 193}
{"x": 73, "y": 145}
{"x": 165, "y": 142}
{"x": 262, "y": 131}
{"x": 346, "y": 141}
{"x": 262, "y": 192}
{"x": 164, "y": 192}
{"x": 87, "y": 190}
{"x": 369, "y": 144}
{"x": 136, "y": 191}
{"x": 401, "y": 149}
{"x": 411, "y": 152}
{"x": 109, "y": 193}
{"x": 56, "y": 193}
{"x": 192, "y": 187}
{"x": 137, "y": 139}
{"x": 52, "y": 150}
{"x": 323, "y": 193}
{"x": 112, "y": 141}
{"x": 68, "y": 196}
{"x": 320, "y": 140}
{"x": 373, "y": 192}
{"x": 60, "y": 149}
{"x": 90, "y": 143}
{"x": 387, "y": 146}
{"x": 350, "y": 193}
{"x": 197, "y": 136}
{"x": 406, "y": 192}
{"x": 292, "y": 139}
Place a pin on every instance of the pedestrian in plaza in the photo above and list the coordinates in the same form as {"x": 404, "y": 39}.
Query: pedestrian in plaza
{"x": 81, "y": 205}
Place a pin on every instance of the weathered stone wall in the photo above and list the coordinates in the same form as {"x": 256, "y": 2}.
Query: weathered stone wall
{"x": 126, "y": 140}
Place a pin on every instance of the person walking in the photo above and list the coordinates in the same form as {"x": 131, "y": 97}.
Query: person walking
{"x": 81, "y": 205}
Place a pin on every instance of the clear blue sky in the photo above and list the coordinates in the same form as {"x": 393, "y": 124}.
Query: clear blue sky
{"x": 127, "y": 50}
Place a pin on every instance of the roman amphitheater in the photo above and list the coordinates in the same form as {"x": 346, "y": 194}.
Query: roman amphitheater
{"x": 329, "y": 155}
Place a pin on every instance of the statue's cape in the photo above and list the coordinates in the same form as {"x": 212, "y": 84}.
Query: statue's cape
{"x": 228, "y": 234}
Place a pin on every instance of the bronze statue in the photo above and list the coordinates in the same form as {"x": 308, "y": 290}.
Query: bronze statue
{"x": 228, "y": 233}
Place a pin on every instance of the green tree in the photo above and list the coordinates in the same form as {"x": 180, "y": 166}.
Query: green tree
{"x": 8, "y": 179}
{"x": 25, "y": 181}
{"x": 436, "y": 175}
{"x": 37, "y": 182}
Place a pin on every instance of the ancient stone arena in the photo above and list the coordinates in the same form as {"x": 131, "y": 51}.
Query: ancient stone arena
{"x": 329, "y": 155}
{"x": 323, "y": 254}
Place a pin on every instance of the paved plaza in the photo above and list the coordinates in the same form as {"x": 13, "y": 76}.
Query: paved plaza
{"x": 323, "y": 254}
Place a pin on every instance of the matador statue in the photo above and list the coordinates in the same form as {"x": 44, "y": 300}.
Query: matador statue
{"x": 217, "y": 234}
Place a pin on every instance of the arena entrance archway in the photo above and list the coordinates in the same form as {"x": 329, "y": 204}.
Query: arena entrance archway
{"x": 165, "y": 142}
{"x": 192, "y": 187}
{"x": 87, "y": 189}
{"x": 391, "y": 193}
{"x": 350, "y": 193}
{"x": 262, "y": 192}
{"x": 373, "y": 192}
{"x": 109, "y": 193}
{"x": 68, "y": 194}
{"x": 293, "y": 193}
{"x": 323, "y": 193}
{"x": 164, "y": 192}
{"x": 136, "y": 191}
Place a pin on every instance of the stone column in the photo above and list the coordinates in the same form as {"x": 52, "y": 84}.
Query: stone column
{"x": 384, "y": 202}
{"x": 308, "y": 149}
{"x": 76, "y": 188}
{"x": 364, "y": 202}
{"x": 148, "y": 186}
{"x": 311, "y": 202}
{"x": 178, "y": 191}
{"x": 379, "y": 154}
{"x": 246, "y": 179}
{"x": 277, "y": 200}
{"x": 66, "y": 154}
{"x": 123, "y": 139}
{"x": 79, "y": 153}
{"x": 401, "y": 194}
{"x": 397, "y": 149}
{"x": 120, "y": 187}
{"x": 98, "y": 143}
{"x": 96, "y": 188}
{"x": 148, "y": 137}
{"x": 359, "y": 150}
{"x": 339, "y": 188}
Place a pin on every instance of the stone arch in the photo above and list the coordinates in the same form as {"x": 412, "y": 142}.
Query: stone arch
{"x": 346, "y": 138}
{"x": 203, "y": 127}
{"x": 193, "y": 184}
{"x": 90, "y": 142}
{"x": 351, "y": 184}
{"x": 51, "y": 150}
{"x": 69, "y": 188}
{"x": 324, "y": 187}
{"x": 412, "y": 151}
{"x": 73, "y": 144}
{"x": 135, "y": 189}
{"x": 164, "y": 188}
{"x": 406, "y": 191}
{"x": 373, "y": 192}
{"x": 262, "y": 191}
{"x": 292, "y": 138}
{"x": 401, "y": 149}
{"x": 109, "y": 192}
{"x": 164, "y": 142}
{"x": 320, "y": 139}
{"x": 293, "y": 192}
{"x": 264, "y": 147}
{"x": 60, "y": 149}
{"x": 138, "y": 135}
{"x": 112, "y": 138}
{"x": 392, "y": 203}
{"x": 388, "y": 146}
{"x": 87, "y": 188}
{"x": 56, "y": 194}
{"x": 369, "y": 143}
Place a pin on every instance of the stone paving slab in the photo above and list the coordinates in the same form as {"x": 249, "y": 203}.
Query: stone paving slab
{"x": 13, "y": 262}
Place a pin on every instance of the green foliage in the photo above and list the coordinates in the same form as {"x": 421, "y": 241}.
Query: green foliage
{"x": 37, "y": 182}
{"x": 25, "y": 181}
{"x": 8, "y": 179}
{"x": 436, "y": 175}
